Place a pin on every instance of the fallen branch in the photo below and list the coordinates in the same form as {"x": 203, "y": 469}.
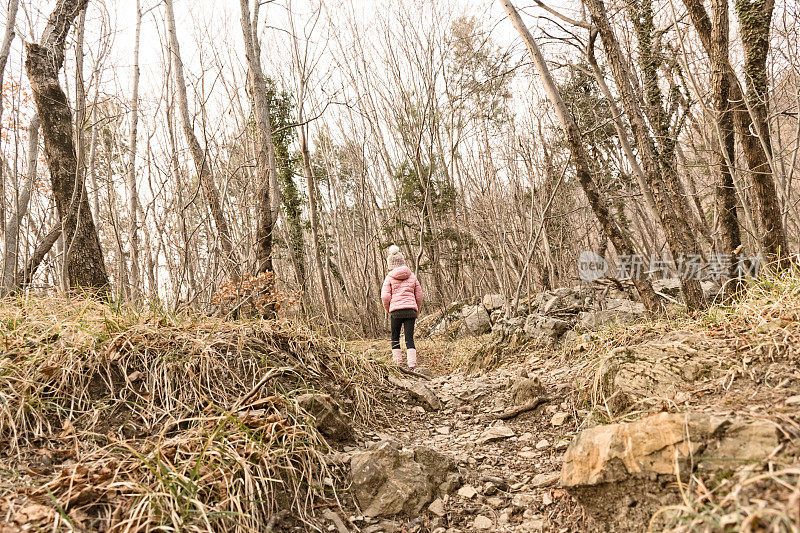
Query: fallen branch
{"x": 269, "y": 375}
{"x": 530, "y": 406}
{"x": 410, "y": 372}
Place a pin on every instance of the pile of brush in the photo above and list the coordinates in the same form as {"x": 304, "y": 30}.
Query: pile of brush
{"x": 118, "y": 420}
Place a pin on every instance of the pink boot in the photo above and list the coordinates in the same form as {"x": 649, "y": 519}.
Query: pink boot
{"x": 411, "y": 356}
{"x": 397, "y": 356}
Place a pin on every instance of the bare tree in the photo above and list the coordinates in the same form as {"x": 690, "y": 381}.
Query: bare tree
{"x": 84, "y": 262}
{"x": 580, "y": 158}
{"x": 200, "y": 157}
{"x": 130, "y": 182}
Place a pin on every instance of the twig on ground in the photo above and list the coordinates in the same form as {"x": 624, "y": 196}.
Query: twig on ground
{"x": 409, "y": 372}
{"x": 530, "y": 406}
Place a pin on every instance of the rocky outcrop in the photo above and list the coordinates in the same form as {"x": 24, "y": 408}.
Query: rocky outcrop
{"x": 648, "y": 373}
{"x": 545, "y": 330}
{"x": 476, "y": 320}
{"x": 391, "y": 479}
{"x": 622, "y": 473}
{"x": 545, "y": 316}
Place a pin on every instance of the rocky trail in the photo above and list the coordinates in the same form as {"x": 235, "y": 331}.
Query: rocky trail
{"x": 508, "y": 469}
{"x": 687, "y": 424}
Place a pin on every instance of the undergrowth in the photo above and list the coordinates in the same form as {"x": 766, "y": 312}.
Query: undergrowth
{"x": 144, "y": 419}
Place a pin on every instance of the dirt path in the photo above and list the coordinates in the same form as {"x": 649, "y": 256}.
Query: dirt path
{"x": 510, "y": 468}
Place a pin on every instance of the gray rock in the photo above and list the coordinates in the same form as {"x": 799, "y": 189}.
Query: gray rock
{"x": 493, "y": 301}
{"x": 328, "y": 416}
{"x": 495, "y": 433}
{"x": 390, "y": 479}
{"x": 418, "y": 391}
{"x": 544, "y": 329}
{"x": 476, "y": 319}
{"x": 668, "y": 286}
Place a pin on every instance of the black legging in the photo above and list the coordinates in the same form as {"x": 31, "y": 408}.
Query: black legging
{"x": 408, "y": 325}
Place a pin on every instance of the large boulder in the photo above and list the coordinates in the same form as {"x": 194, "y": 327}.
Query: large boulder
{"x": 622, "y": 473}
{"x": 545, "y": 329}
{"x": 328, "y": 416}
{"x": 391, "y": 479}
{"x": 476, "y": 319}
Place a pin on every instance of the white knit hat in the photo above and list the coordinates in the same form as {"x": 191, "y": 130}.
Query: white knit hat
{"x": 395, "y": 258}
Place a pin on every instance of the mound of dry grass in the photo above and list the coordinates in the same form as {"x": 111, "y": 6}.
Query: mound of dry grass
{"x": 126, "y": 421}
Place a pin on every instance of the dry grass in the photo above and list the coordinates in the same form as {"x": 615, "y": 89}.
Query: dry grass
{"x": 130, "y": 421}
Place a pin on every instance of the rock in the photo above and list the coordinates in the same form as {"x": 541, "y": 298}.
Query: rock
{"x": 483, "y": 522}
{"x": 545, "y": 330}
{"x": 495, "y": 433}
{"x": 437, "y": 507}
{"x": 476, "y": 319}
{"x": 618, "y": 310}
{"x": 545, "y": 480}
{"x": 525, "y": 389}
{"x": 792, "y": 400}
{"x": 495, "y": 501}
{"x": 443, "y": 430}
{"x": 668, "y": 286}
{"x": 493, "y": 301}
{"x": 559, "y": 418}
{"x": 328, "y": 416}
{"x": 649, "y": 372}
{"x": 390, "y": 479}
{"x": 337, "y": 521}
{"x": 385, "y": 526}
{"x": 468, "y": 492}
{"x": 542, "y": 444}
{"x": 418, "y": 391}
{"x": 528, "y": 454}
{"x": 622, "y": 473}
{"x": 536, "y": 524}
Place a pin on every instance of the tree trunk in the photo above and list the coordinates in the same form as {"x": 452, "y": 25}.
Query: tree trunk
{"x": 313, "y": 215}
{"x": 660, "y": 173}
{"x": 11, "y": 248}
{"x": 772, "y": 235}
{"x": 266, "y": 168}
{"x": 8, "y": 37}
{"x": 724, "y": 151}
{"x": 755, "y": 17}
{"x": 130, "y": 181}
{"x": 198, "y": 155}
{"x": 580, "y": 159}
{"x": 83, "y": 256}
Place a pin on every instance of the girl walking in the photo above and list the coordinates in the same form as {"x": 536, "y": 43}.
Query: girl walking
{"x": 402, "y": 298}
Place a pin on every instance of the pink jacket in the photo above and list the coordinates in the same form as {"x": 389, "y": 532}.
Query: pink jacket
{"x": 401, "y": 290}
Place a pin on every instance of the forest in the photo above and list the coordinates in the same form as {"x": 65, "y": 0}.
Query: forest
{"x": 299, "y": 141}
{"x": 597, "y": 198}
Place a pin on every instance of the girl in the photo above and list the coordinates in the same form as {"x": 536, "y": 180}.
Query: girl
{"x": 402, "y": 298}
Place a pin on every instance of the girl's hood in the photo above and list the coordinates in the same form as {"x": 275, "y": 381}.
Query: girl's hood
{"x": 400, "y": 273}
